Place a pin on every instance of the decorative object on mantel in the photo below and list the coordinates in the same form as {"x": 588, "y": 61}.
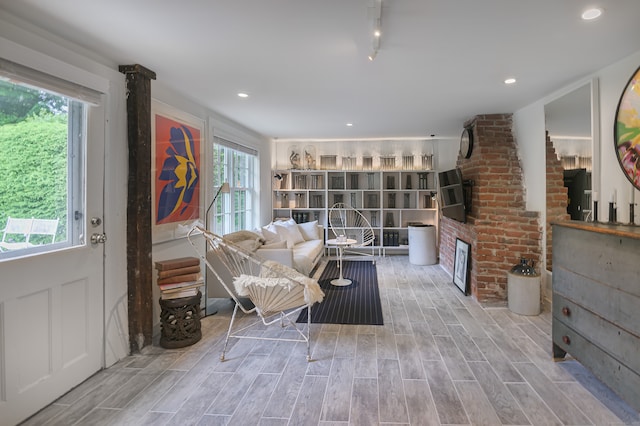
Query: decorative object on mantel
{"x": 295, "y": 159}
{"x": 575, "y": 162}
{"x": 627, "y": 131}
{"x": 328, "y": 162}
{"x": 367, "y": 162}
{"x": 348, "y": 163}
{"x": 387, "y": 163}
{"x": 427, "y": 161}
{"x": 309, "y": 161}
{"x": 407, "y": 162}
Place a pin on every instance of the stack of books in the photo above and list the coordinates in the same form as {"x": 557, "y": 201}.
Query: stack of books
{"x": 179, "y": 277}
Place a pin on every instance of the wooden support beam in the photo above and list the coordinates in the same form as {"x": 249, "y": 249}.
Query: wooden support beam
{"x": 139, "y": 244}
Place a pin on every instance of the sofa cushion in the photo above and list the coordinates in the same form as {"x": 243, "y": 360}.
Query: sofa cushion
{"x": 309, "y": 230}
{"x": 276, "y": 245}
{"x": 270, "y": 234}
{"x": 305, "y": 253}
{"x": 289, "y": 232}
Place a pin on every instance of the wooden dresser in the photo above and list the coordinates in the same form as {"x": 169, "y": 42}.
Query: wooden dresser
{"x": 596, "y": 302}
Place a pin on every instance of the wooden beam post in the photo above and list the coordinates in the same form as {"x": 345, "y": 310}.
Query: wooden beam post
{"x": 139, "y": 244}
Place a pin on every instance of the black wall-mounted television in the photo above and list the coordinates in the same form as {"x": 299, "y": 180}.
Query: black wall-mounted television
{"x": 452, "y": 195}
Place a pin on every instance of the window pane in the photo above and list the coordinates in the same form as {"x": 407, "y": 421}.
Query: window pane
{"x": 36, "y": 146}
{"x": 233, "y": 211}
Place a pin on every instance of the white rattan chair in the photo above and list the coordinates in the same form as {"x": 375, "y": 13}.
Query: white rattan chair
{"x": 347, "y": 221}
{"x": 276, "y": 291}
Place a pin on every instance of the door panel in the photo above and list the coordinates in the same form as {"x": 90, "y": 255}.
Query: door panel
{"x": 51, "y": 304}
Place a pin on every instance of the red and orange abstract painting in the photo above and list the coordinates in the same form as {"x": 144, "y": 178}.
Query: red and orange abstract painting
{"x": 177, "y": 171}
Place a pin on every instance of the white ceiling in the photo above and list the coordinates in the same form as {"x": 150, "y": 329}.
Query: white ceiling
{"x": 304, "y": 63}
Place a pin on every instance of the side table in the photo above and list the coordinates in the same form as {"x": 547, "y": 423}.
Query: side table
{"x": 341, "y": 245}
{"x": 180, "y": 321}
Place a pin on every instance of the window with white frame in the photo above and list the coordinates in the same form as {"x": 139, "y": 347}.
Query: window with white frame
{"x": 42, "y": 143}
{"x": 236, "y": 165}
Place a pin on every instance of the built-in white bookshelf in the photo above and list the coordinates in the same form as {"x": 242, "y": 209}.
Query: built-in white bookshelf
{"x": 391, "y": 200}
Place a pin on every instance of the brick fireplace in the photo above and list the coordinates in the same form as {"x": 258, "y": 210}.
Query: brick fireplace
{"x": 498, "y": 227}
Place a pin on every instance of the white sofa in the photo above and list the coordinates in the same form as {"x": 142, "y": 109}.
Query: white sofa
{"x": 298, "y": 246}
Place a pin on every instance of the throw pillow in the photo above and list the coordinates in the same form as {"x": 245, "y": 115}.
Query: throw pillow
{"x": 290, "y": 233}
{"x": 309, "y": 230}
{"x": 270, "y": 234}
{"x": 285, "y": 222}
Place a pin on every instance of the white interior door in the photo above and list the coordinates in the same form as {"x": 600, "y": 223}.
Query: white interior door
{"x": 51, "y": 296}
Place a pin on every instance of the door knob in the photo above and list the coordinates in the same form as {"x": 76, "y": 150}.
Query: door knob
{"x": 98, "y": 238}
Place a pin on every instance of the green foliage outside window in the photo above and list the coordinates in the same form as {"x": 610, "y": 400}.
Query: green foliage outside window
{"x": 33, "y": 156}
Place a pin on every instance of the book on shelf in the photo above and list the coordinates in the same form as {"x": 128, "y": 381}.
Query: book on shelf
{"x": 181, "y": 262}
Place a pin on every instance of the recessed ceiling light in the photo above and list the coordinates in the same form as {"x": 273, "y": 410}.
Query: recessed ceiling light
{"x": 349, "y": 124}
{"x": 243, "y": 95}
{"x": 591, "y": 14}
{"x": 510, "y": 80}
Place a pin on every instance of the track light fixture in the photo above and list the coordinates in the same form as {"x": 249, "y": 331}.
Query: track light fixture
{"x": 376, "y": 28}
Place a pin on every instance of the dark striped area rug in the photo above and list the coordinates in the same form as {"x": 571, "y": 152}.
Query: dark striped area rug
{"x": 358, "y": 303}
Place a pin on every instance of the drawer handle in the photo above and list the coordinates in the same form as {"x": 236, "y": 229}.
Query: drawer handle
{"x": 566, "y": 340}
{"x": 566, "y": 311}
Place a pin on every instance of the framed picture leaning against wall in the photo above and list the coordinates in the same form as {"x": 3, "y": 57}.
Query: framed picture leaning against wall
{"x": 461, "y": 265}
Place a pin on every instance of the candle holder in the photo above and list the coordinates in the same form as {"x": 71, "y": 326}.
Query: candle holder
{"x": 612, "y": 212}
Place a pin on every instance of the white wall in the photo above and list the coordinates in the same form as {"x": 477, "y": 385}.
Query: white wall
{"x": 529, "y": 129}
{"x": 529, "y": 132}
{"x": 21, "y": 42}
{"x": 613, "y": 80}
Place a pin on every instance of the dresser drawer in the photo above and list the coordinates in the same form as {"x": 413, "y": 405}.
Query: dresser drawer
{"x": 607, "y": 259}
{"x": 615, "y": 305}
{"x": 622, "y": 345}
{"x": 624, "y": 381}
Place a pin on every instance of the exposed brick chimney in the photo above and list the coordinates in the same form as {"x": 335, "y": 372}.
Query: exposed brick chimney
{"x": 498, "y": 227}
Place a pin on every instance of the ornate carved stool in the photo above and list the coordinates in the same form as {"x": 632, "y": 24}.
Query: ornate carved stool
{"x": 180, "y": 321}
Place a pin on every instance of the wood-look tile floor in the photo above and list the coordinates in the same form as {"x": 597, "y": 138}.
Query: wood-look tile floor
{"x": 440, "y": 359}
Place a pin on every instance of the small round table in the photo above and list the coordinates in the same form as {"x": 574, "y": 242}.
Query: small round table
{"x": 341, "y": 245}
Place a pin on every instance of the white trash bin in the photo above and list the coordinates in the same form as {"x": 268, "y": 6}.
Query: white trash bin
{"x": 422, "y": 245}
{"x": 523, "y": 289}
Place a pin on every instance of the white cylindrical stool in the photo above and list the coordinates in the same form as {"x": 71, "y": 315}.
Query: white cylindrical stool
{"x": 523, "y": 289}
{"x": 422, "y": 245}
